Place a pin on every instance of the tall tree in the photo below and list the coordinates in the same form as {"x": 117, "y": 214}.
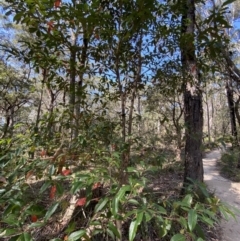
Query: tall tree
{"x": 193, "y": 112}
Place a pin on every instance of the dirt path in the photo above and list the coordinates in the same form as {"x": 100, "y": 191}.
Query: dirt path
{"x": 226, "y": 190}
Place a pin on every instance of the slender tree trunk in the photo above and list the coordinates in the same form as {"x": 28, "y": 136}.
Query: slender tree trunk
{"x": 208, "y": 120}
{"x": 72, "y": 94}
{"x": 213, "y": 126}
{"x": 50, "y": 126}
{"x": 231, "y": 110}
{"x": 139, "y": 113}
{"x": 79, "y": 93}
{"x": 192, "y": 97}
{"x": 39, "y": 108}
{"x": 237, "y": 110}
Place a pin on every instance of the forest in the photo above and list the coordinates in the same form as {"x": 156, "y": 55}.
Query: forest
{"x": 107, "y": 108}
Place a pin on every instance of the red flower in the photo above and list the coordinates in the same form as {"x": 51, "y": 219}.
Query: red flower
{"x": 81, "y": 202}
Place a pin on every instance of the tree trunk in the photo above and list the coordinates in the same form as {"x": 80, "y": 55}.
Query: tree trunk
{"x": 237, "y": 110}
{"x": 193, "y": 112}
{"x": 231, "y": 111}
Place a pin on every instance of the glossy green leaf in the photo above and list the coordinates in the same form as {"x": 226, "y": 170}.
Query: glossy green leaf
{"x": 187, "y": 200}
{"x": 8, "y": 232}
{"x": 178, "y": 237}
{"x": 36, "y": 225}
{"x": 60, "y": 189}
{"x": 183, "y": 222}
{"x": 51, "y": 170}
{"x": 118, "y": 197}
{"x": 45, "y": 186}
{"x": 25, "y": 237}
{"x": 101, "y": 205}
{"x": 50, "y": 211}
{"x": 192, "y": 219}
{"x": 76, "y": 235}
{"x": 134, "y": 225}
{"x": 114, "y": 230}
{"x": 199, "y": 232}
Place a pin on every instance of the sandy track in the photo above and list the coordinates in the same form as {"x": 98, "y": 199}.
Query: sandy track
{"x": 226, "y": 190}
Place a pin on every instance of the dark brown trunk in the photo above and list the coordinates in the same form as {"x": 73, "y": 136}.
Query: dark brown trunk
{"x": 237, "y": 110}
{"x": 208, "y": 120}
{"x": 79, "y": 93}
{"x": 231, "y": 111}
{"x": 72, "y": 97}
{"x": 193, "y": 112}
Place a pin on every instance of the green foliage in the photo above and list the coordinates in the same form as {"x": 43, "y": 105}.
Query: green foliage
{"x": 129, "y": 204}
{"x": 89, "y": 56}
{"x": 228, "y": 164}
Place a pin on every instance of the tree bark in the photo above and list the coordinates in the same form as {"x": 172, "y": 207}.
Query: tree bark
{"x": 236, "y": 108}
{"x": 193, "y": 112}
{"x": 231, "y": 111}
{"x": 208, "y": 120}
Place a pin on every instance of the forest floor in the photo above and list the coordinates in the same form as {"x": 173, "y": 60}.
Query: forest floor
{"x": 227, "y": 191}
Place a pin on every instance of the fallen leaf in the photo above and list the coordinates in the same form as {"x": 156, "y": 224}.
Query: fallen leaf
{"x": 29, "y": 174}
{"x": 81, "y": 202}
{"x": 66, "y": 172}
{"x": 52, "y": 192}
{"x": 34, "y": 218}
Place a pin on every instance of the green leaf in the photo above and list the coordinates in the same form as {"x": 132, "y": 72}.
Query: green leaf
{"x": 60, "y": 189}
{"x": 114, "y": 230}
{"x": 8, "y": 232}
{"x": 45, "y": 186}
{"x": 207, "y": 221}
{"x": 118, "y": 197}
{"x": 228, "y": 2}
{"x": 183, "y": 222}
{"x": 101, "y": 205}
{"x": 36, "y": 225}
{"x": 50, "y": 211}
{"x": 200, "y": 239}
{"x": 192, "y": 219}
{"x": 187, "y": 200}
{"x": 178, "y": 237}
{"x": 25, "y": 237}
{"x": 15, "y": 238}
{"x": 76, "y": 186}
{"x": 76, "y": 235}
{"x": 134, "y": 225}
{"x": 200, "y": 232}
{"x": 51, "y": 170}
{"x": 11, "y": 219}
{"x": 133, "y": 201}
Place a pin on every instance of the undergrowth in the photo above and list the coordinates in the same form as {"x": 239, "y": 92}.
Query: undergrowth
{"x": 228, "y": 165}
